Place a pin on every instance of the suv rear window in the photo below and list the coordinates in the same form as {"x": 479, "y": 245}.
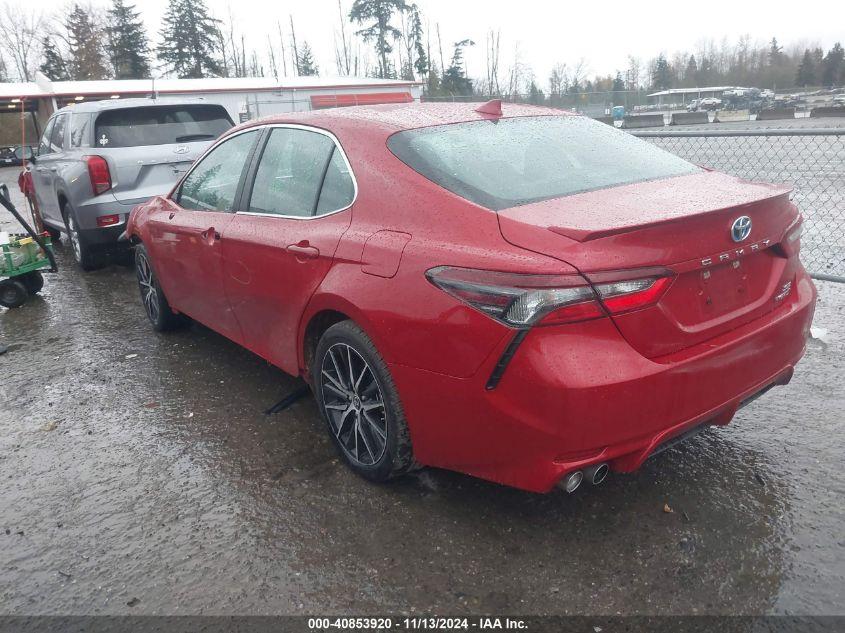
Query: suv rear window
{"x": 160, "y": 125}
{"x": 509, "y": 162}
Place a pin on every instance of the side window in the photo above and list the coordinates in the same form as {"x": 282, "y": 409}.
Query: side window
{"x": 79, "y": 126}
{"x": 57, "y": 138}
{"x": 213, "y": 183}
{"x": 44, "y": 145}
{"x": 338, "y": 188}
{"x": 289, "y": 174}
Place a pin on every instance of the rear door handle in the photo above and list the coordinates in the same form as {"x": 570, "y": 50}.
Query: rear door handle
{"x": 303, "y": 250}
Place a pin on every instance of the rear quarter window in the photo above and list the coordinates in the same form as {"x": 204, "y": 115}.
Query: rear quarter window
{"x": 80, "y": 124}
{"x": 510, "y": 162}
{"x": 160, "y": 125}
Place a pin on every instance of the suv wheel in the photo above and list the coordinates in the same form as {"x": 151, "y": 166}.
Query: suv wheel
{"x": 155, "y": 303}
{"x": 360, "y": 404}
{"x": 81, "y": 251}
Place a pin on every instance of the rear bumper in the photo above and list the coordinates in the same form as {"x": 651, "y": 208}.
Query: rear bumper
{"x": 103, "y": 238}
{"x": 577, "y": 395}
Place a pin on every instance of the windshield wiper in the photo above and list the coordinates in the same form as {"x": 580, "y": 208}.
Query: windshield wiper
{"x": 193, "y": 137}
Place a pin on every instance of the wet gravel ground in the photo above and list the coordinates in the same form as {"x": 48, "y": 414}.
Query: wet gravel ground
{"x": 140, "y": 475}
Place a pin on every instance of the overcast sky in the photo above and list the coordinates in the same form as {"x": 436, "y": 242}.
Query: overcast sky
{"x": 550, "y": 31}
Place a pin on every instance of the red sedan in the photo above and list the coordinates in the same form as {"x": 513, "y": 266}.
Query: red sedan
{"x": 513, "y": 292}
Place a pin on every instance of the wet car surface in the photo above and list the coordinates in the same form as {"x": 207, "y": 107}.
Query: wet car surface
{"x": 141, "y": 468}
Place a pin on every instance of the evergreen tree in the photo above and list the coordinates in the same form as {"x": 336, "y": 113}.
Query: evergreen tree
{"x": 834, "y": 66}
{"x": 806, "y": 75}
{"x": 618, "y": 82}
{"x": 433, "y": 81}
{"x": 85, "y": 40}
{"x": 535, "y": 95}
{"x": 661, "y": 74}
{"x": 691, "y": 73}
{"x": 128, "y": 46}
{"x": 421, "y": 63}
{"x": 455, "y": 80}
{"x": 775, "y": 53}
{"x": 189, "y": 40}
{"x": 381, "y": 11}
{"x": 53, "y": 65}
{"x": 306, "y": 64}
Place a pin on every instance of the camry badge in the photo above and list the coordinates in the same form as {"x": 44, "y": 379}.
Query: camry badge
{"x": 741, "y": 228}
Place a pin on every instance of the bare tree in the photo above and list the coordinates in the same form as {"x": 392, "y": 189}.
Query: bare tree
{"x": 493, "y": 39}
{"x": 20, "y": 28}
{"x": 632, "y": 75}
{"x": 342, "y": 53}
{"x": 274, "y": 69}
{"x": 440, "y": 46}
{"x": 295, "y": 50}
{"x": 558, "y": 80}
{"x": 516, "y": 74}
{"x": 283, "y": 55}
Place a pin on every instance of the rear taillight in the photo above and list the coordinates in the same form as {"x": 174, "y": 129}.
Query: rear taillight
{"x": 520, "y": 300}
{"x": 98, "y": 172}
{"x": 629, "y": 290}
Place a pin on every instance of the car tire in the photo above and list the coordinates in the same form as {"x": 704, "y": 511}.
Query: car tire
{"x": 33, "y": 281}
{"x": 158, "y": 310}
{"x": 85, "y": 259}
{"x": 13, "y": 293}
{"x": 360, "y": 404}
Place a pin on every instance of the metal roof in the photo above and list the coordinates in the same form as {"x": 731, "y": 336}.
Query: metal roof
{"x": 113, "y": 104}
{"x": 43, "y": 87}
{"x": 686, "y": 91}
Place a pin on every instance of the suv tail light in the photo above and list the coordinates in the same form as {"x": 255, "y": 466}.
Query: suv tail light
{"x": 98, "y": 172}
{"x": 520, "y": 300}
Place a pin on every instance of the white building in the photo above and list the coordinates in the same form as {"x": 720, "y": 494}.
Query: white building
{"x": 245, "y": 98}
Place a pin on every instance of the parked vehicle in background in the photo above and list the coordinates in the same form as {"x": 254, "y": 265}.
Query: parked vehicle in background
{"x": 709, "y": 103}
{"x": 839, "y": 100}
{"x": 692, "y": 106}
{"x": 97, "y": 160}
{"x": 13, "y": 155}
{"x": 514, "y": 292}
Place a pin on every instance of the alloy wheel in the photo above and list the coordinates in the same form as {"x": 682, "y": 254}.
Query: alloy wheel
{"x": 353, "y": 404}
{"x": 146, "y": 282}
{"x": 74, "y": 238}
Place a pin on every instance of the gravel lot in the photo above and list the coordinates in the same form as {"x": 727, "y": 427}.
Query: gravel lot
{"x": 142, "y": 476}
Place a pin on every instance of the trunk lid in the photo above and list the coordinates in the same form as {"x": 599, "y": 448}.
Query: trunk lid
{"x": 682, "y": 224}
{"x": 139, "y": 173}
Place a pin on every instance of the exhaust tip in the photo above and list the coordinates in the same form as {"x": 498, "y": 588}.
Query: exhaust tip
{"x": 597, "y": 473}
{"x": 572, "y": 481}
{"x": 600, "y": 474}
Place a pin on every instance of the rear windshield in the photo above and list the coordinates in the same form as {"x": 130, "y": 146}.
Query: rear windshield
{"x": 508, "y": 162}
{"x": 160, "y": 125}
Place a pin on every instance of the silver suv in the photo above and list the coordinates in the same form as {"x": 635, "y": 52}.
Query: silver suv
{"x": 97, "y": 160}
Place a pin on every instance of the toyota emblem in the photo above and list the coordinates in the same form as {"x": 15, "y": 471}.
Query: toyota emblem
{"x": 741, "y": 228}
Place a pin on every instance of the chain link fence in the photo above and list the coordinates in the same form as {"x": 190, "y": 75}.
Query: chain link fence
{"x": 811, "y": 160}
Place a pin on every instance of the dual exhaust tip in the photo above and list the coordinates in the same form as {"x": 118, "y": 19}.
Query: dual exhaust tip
{"x": 594, "y": 474}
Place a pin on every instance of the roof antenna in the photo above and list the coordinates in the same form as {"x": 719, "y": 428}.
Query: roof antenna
{"x": 492, "y": 107}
